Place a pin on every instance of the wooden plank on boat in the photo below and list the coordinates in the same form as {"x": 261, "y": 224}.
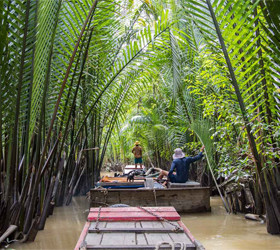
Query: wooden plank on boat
{"x": 142, "y": 215}
{"x": 136, "y": 227}
{"x": 145, "y": 247}
{"x": 191, "y": 199}
{"x": 129, "y": 226}
{"x": 132, "y": 214}
{"x": 162, "y": 226}
{"x": 102, "y": 224}
{"x": 133, "y": 209}
{"x": 118, "y": 225}
{"x": 93, "y": 239}
{"x": 133, "y": 230}
{"x": 180, "y": 237}
{"x": 155, "y": 238}
{"x": 185, "y": 184}
{"x": 118, "y": 239}
{"x": 141, "y": 239}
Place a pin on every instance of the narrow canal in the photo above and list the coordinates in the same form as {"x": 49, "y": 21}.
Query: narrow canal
{"x": 215, "y": 230}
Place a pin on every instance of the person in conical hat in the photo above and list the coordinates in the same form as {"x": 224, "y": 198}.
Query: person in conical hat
{"x": 182, "y": 165}
{"x": 137, "y": 151}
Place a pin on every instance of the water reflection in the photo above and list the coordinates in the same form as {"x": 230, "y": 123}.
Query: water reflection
{"x": 62, "y": 229}
{"x": 215, "y": 230}
{"x": 219, "y": 230}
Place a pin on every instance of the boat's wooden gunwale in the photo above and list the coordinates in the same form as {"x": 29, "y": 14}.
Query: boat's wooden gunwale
{"x": 82, "y": 236}
{"x": 151, "y": 189}
{"x": 145, "y": 190}
{"x": 137, "y": 182}
{"x": 134, "y": 230}
{"x": 133, "y": 247}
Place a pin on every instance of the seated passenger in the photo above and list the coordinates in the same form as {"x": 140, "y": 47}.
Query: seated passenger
{"x": 182, "y": 166}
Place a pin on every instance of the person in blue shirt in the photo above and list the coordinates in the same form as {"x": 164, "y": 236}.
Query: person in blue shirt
{"x": 182, "y": 165}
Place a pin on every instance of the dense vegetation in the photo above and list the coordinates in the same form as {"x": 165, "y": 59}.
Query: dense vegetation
{"x": 79, "y": 76}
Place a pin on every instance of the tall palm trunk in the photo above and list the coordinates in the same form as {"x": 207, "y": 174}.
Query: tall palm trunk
{"x": 46, "y": 144}
{"x": 13, "y": 160}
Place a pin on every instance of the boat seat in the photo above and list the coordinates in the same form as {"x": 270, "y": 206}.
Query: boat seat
{"x": 185, "y": 184}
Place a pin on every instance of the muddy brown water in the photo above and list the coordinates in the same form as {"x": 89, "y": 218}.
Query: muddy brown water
{"x": 215, "y": 230}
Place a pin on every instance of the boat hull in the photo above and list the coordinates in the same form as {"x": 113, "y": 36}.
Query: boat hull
{"x": 192, "y": 199}
{"x": 136, "y": 228}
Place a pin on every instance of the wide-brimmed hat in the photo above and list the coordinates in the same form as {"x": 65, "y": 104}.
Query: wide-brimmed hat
{"x": 137, "y": 143}
{"x": 178, "y": 154}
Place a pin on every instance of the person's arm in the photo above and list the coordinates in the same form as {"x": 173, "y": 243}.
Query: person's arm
{"x": 198, "y": 157}
{"x": 132, "y": 151}
{"x": 172, "y": 168}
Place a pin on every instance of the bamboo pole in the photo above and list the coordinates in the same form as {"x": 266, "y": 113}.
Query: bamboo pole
{"x": 211, "y": 171}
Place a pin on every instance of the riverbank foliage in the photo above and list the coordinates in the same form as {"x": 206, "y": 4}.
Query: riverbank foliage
{"x": 80, "y": 77}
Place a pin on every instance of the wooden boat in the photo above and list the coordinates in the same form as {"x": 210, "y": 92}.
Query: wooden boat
{"x": 183, "y": 198}
{"x": 120, "y": 182}
{"x": 135, "y": 228}
{"x": 129, "y": 168}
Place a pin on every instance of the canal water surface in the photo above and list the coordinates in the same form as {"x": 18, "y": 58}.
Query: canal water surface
{"x": 215, "y": 230}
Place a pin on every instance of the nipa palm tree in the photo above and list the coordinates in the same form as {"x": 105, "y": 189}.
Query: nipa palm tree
{"x": 61, "y": 61}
